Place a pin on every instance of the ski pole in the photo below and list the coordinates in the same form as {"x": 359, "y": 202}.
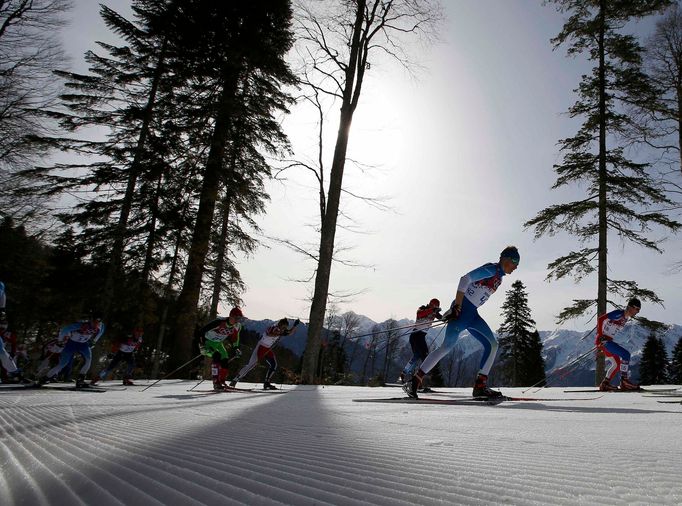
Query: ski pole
{"x": 173, "y": 372}
{"x": 410, "y": 326}
{"x": 564, "y": 367}
{"x": 204, "y": 379}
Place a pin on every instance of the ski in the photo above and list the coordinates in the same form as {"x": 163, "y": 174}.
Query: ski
{"x": 670, "y": 402}
{"x": 472, "y": 401}
{"x": 594, "y": 390}
{"x": 227, "y": 390}
{"x": 46, "y": 388}
{"x": 542, "y": 399}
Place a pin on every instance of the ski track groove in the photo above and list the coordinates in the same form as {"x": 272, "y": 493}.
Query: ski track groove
{"x": 188, "y": 462}
{"x": 131, "y": 495}
{"x": 82, "y": 454}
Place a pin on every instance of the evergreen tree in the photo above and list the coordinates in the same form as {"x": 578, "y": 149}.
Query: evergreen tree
{"x": 653, "y": 367}
{"x": 533, "y": 365}
{"x": 619, "y": 190}
{"x": 676, "y": 364}
{"x": 238, "y": 48}
{"x": 518, "y": 347}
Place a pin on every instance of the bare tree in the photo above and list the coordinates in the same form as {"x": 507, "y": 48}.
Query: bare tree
{"x": 30, "y": 51}
{"x": 663, "y": 57}
{"x": 338, "y": 37}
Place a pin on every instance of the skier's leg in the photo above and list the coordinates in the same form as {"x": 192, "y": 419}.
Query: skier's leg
{"x": 482, "y": 333}
{"x": 65, "y": 358}
{"x": 247, "y": 368}
{"x": 6, "y": 360}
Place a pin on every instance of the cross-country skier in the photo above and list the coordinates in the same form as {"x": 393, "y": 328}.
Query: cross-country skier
{"x": 52, "y": 350}
{"x": 264, "y": 351}
{"x": 79, "y": 337}
{"x": 125, "y": 352}
{"x": 618, "y": 358}
{"x": 473, "y": 291}
{"x": 5, "y": 358}
{"x": 425, "y": 316}
{"x": 213, "y": 336}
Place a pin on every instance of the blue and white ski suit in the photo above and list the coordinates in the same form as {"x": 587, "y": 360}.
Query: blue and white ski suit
{"x": 80, "y": 335}
{"x": 5, "y": 359}
{"x": 477, "y": 285}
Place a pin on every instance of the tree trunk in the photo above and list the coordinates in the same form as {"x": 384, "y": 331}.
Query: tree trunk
{"x": 220, "y": 261}
{"x": 167, "y": 303}
{"x": 602, "y": 260}
{"x": 191, "y": 289}
{"x": 133, "y": 173}
{"x": 328, "y": 227}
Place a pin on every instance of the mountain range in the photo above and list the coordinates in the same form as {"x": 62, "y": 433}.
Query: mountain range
{"x": 560, "y": 347}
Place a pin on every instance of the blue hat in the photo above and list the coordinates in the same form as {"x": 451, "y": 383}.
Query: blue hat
{"x": 511, "y": 253}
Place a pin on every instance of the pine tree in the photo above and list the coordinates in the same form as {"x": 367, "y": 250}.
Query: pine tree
{"x": 237, "y": 47}
{"x": 518, "y": 347}
{"x": 619, "y": 190}
{"x": 653, "y": 366}
{"x": 676, "y": 364}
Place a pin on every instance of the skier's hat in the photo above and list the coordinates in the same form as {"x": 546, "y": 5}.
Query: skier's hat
{"x": 634, "y": 302}
{"x": 512, "y": 253}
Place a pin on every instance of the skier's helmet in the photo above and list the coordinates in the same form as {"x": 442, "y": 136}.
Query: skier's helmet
{"x": 434, "y": 303}
{"x": 236, "y": 312}
{"x": 283, "y": 323}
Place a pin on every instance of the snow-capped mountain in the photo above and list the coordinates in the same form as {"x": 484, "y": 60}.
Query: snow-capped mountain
{"x": 560, "y": 346}
{"x": 563, "y": 346}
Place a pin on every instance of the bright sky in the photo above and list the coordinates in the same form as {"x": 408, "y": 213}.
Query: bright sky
{"x": 464, "y": 150}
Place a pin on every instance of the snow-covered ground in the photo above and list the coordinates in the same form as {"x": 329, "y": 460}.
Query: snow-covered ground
{"x": 313, "y": 445}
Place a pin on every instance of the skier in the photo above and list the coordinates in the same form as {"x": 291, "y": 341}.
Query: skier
{"x": 263, "y": 350}
{"x": 53, "y": 348}
{"x": 425, "y": 316}
{"x": 5, "y": 358}
{"x": 79, "y": 337}
{"x": 212, "y": 338}
{"x": 608, "y": 325}
{"x": 473, "y": 291}
{"x": 125, "y": 352}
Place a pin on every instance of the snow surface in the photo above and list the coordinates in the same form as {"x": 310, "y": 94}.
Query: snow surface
{"x": 313, "y": 445}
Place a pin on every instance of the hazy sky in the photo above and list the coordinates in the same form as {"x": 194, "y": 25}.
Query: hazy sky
{"x": 464, "y": 152}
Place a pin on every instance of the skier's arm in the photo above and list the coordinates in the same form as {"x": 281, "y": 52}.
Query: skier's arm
{"x": 210, "y": 325}
{"x": 99, "y": 334}
{"x": 3, "y": 298}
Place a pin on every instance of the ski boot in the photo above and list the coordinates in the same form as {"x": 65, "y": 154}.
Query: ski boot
{"x": 627, "y": 385}
{"x": 606, "y": 386}
{"x": 218, "y": 386}
{"x": 233, "y": 383}
{"x": 128, "y": 382}
{"x": 411, "y": 387}
{"x": 481, "y": 388}
{"x": 268, "y": 386}
{"x": 80, "y": 382}
{"x": 401, "y": 378}
{"x": 95, "y": 380}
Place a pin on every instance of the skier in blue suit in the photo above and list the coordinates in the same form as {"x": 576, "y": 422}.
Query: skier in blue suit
{"x": 80, "y": 337}
{"x": 5, "y": 358}
{"x": 473, "y": 291}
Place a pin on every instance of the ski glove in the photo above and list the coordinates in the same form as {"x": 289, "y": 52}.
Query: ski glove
{"x": 237, "y": 352}
{"x": 452, "y": 313}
